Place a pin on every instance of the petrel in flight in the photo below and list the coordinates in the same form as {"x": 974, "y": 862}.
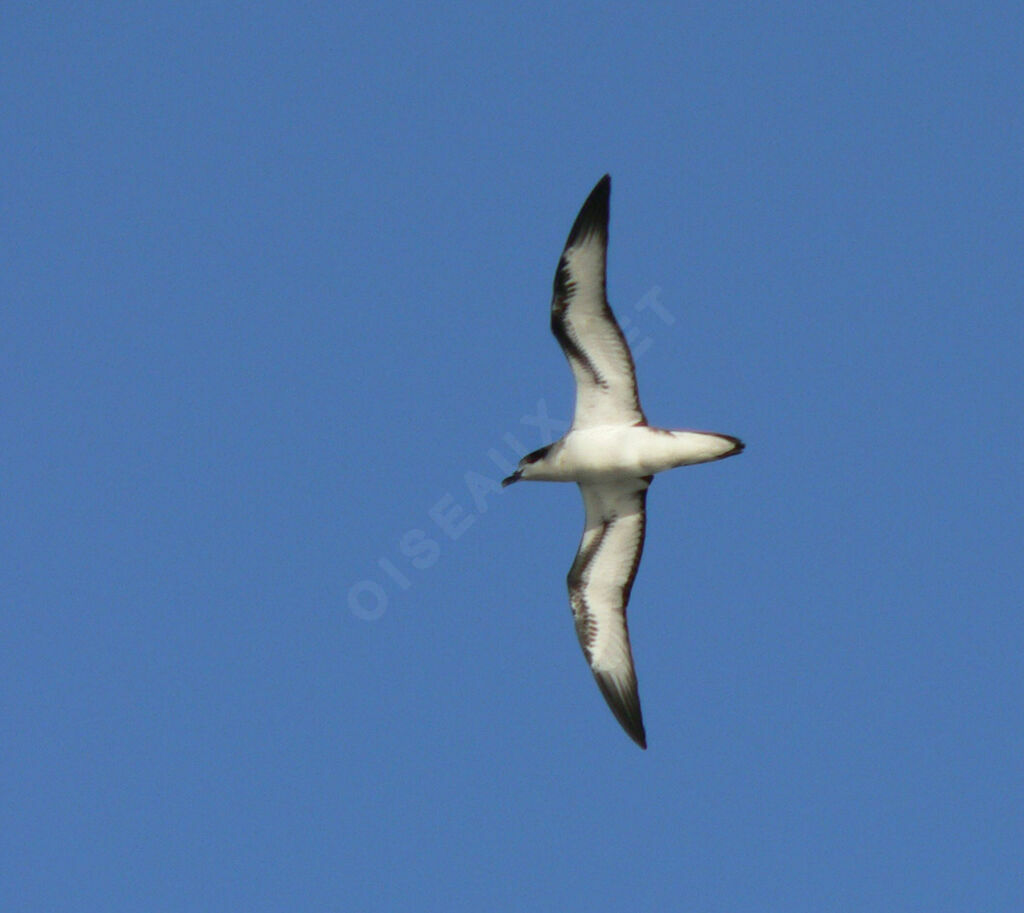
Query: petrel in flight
{"x": 611, "y": 453}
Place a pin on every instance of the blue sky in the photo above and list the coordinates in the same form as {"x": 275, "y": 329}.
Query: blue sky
{"x": 275, "y": 284}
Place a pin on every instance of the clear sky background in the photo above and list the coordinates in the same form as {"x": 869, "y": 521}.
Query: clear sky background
{"x": 275, "y": 283}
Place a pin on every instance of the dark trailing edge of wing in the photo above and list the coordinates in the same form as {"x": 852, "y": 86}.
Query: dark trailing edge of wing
{"x": 625, "y": 704}
{"x": 563, "y": 291}
{"x": 592, "y": 218}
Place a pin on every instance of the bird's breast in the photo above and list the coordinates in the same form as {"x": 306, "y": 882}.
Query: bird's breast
{"x": 606, "y": 452}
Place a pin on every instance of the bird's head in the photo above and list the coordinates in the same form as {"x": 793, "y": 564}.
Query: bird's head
{"x": 527, "y": 467}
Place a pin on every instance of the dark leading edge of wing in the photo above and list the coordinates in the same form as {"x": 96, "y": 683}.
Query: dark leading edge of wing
{"x": 600, "y": 582}
{"x": 592, "y": 220}
{"x": 585, "y": 326}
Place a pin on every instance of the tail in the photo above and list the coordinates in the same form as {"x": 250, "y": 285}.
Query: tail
{"x": 705, "y": 446}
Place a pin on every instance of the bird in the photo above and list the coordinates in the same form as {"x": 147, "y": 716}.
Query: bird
{"x": 612, "y": 453}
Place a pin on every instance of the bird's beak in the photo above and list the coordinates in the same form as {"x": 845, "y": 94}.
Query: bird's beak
{"x": 515, "y": 477}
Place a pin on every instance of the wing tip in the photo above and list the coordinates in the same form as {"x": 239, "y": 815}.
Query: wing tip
{"x": 625, "y": 704}
{"x": 593, "y": 215}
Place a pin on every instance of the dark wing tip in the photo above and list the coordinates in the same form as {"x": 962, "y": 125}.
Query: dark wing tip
{"x": 625, "y": 704}
{"x": 593, "y": 215}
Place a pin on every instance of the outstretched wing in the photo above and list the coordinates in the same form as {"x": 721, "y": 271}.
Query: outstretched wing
{"x": 585, "y": 327}
{"x": 600, "y": 580}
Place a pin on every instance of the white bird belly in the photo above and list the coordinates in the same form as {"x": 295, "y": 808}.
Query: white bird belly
{"x": 633, "y": 451}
